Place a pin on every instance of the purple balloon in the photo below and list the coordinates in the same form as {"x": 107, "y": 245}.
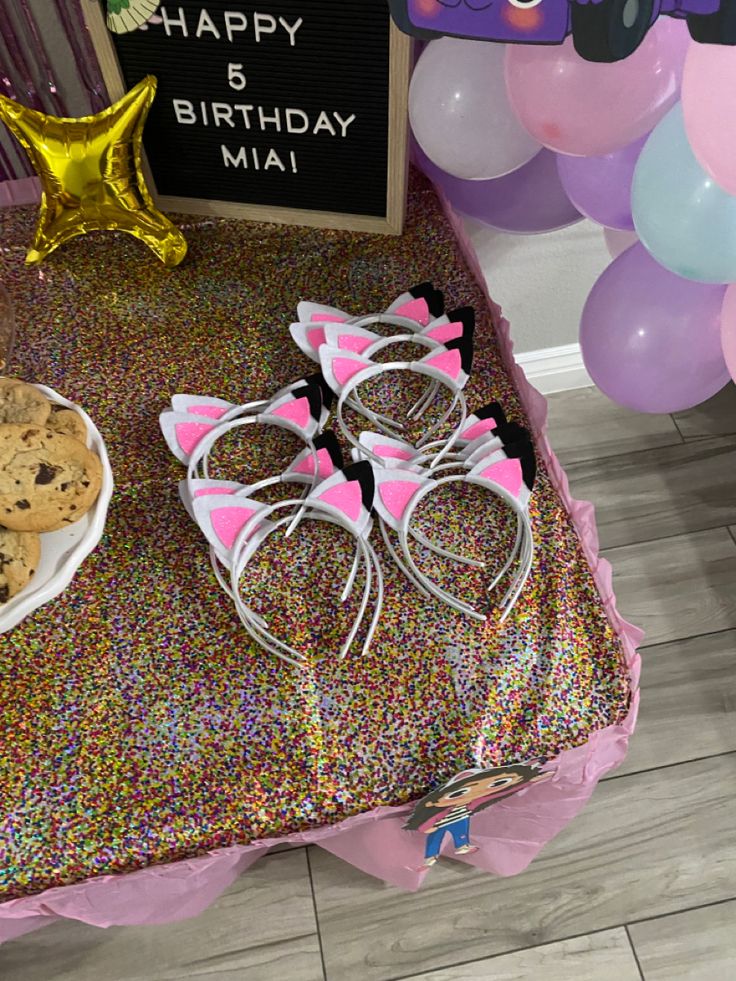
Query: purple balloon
{"x": 529, "y": 200}
{"x": 600, "y": 187}
{"x": 650, "y": 339}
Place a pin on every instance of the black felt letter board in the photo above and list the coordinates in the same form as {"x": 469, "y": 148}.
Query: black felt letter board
{"x": 280, "y": 103}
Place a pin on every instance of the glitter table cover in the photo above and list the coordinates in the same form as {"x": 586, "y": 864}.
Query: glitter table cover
{"x": 141, "y": 732}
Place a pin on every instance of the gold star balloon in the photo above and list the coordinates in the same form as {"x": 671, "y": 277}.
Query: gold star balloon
{"x": 91, "y": 176}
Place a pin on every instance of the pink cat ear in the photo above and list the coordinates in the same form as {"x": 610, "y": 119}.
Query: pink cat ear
{"x": 393, "y": 452}
{"x": 201, "y": 405}
{"x": 488, "y": 419}
{"x": 458, "y": 324}
{"x": 349, "y": 495}
{"x": 513, "y": 468}
{"x": 414, "y": 309}
{"x": 329, "y": 318}
{"x": 223, "y": 517}
{"x": 504, "y": 472}
{"x": 302, "y": 407}
{"x": 421, "y": 303}
{"x": 394, "y": 490}
{"x": 183, "y": 431}
{"x": 452, "y": 363}
{"x": 442, "y": 333}
{"x": 349, "y": 338}
{"x": 445, "y": 363}
{"x": 339, "y": 367}
{"x": 329, "y": 460}
{"x": 308, "y": 338}
{"x": 189, "y": 491}
{"x": 319, "y": 313}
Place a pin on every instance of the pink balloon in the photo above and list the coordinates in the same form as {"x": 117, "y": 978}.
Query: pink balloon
{"x": 708, "y": 86}
{"x": 585, "y": 108}
{"x": 728, "y": 330}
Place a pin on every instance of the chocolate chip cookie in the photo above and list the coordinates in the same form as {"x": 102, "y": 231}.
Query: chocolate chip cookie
{"x": 19, "y": 555}
{"x": 67, "y": 421}
{"x": 47, "y": 480}
{"x": 21, "y": 403}
{"x": 7, "y": 382}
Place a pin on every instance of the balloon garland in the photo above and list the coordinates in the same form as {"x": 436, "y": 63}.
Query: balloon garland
{"x": 640, "y": 146}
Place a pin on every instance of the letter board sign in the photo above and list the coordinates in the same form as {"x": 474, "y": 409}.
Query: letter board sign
{"x": 273, "y": 110}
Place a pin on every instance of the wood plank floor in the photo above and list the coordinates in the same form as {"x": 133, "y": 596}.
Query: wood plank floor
{"x": 641, "y": 887}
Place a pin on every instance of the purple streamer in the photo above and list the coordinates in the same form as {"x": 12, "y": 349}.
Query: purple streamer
{"x": 57, "y": 106}
{"x": 31, "y": 72}
{"x": 6, "y": 166}
{"x": 13, "y": 45}
{"x": 75, "y": 28}
{"x": 25, "y": 167}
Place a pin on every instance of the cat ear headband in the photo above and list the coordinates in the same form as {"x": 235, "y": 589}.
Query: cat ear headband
{"x": 302, "y": 470}
{"x": 451, "y": 332}
{"x": 508, "y": 473}
{"x": 506, "y": 470}
{"x": 221, "y": 528}
{"x": 204, "y": 501}
{"x": 501, "y": 440}
{"x": 222, "y": 411}
{"x": 485, "y": 429}
{"x": 449, "y": 365}
{"x": 413, "y": 309}
{"x": 242, "y": 526}
{"x": 304, "y": 404}
{"x": 350, "y": 336}
{"x": 459, "y": 324}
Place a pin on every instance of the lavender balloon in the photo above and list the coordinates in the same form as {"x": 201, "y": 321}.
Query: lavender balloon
{"x": 600, "y": 187}
{"x": 650, "y": 339}
{"x": 529, "y": 200}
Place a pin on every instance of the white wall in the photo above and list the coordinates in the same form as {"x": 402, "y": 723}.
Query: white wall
{"x": 541, "y": 281}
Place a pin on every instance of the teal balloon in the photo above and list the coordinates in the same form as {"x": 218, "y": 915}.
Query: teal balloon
{"x": 683, "y": 218}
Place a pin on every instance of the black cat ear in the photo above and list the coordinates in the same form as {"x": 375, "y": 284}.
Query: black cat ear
{"x": 328, "y": 441}
{"x": 512, "y": 433}
{"x": 523, "y": 451}
{"x": 318, "y": 379}
{"x": 434, "y": 299}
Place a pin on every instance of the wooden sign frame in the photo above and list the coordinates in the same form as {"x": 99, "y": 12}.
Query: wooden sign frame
{"x": 397, "y": 167}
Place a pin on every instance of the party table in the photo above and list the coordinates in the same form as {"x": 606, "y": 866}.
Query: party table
{"x": 149, "y": 751}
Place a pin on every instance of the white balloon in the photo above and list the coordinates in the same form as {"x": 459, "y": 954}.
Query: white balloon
{"x": 460, "y": 113}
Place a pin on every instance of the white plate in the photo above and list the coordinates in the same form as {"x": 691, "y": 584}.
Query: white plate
{"x": 63, "y": 551}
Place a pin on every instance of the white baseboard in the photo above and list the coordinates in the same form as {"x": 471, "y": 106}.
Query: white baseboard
{"x": 555, "y": 369}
